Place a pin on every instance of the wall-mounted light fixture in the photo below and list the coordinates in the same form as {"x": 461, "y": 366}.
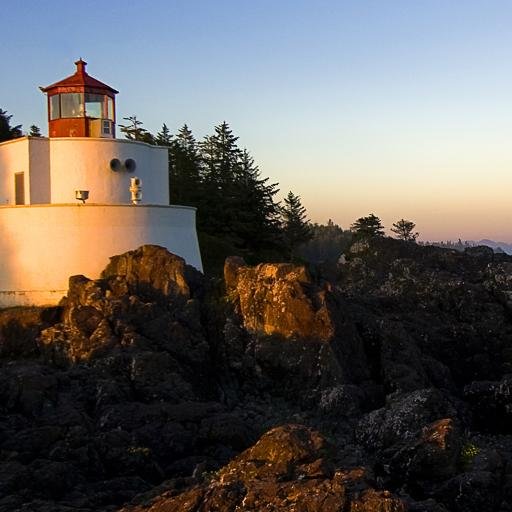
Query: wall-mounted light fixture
{"x": 81, "y": 195}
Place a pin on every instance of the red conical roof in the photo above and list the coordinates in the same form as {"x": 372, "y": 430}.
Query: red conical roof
{"x": 79, "y": 79}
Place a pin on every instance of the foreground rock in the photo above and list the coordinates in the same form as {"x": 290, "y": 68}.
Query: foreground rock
{"x": 154, "y": 389}
{"x": 294, "y": 336}
{"x": 119, "y": 395}
{"x": 289, "y": 468}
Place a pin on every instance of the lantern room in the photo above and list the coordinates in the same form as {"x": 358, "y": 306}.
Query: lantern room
{"x": 81, "y": 106}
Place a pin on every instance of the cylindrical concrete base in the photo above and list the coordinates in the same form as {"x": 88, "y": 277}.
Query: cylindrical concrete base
{"x": 42, "y": 245}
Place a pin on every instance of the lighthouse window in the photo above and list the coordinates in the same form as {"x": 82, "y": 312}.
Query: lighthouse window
{"x": 71, "y": 105}
{"x": 54, "y": 107}
{"x": 94, "y": 105}
{"x": 110, "y": 107}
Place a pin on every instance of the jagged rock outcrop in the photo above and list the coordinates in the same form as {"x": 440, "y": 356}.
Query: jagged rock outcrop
{"x": 298, "y": 337}
{"x": 289, "y": 468}
{"x": 402, "y": 416}
{"x": 151, "y": 387}
{"x": 146, "y": 298}
{"x": 120, "y": 392}
{"x": 280, "y": 299}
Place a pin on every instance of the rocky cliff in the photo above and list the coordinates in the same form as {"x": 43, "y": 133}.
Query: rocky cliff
{"x": 385, "y": 388}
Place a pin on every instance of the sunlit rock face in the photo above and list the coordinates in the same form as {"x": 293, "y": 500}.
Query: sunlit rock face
{"x": 280, "y": 299}
{"x": 294, "y": 333}
{"x": 289, "y": 468}
{"x": 153, "y": 270}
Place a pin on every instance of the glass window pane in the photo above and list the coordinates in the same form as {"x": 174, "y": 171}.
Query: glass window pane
{"x": 71, "y": 105}
{"x": 94, "y": 105}
{"x": 110, "y": 103}
{"x": 54, "y": 107}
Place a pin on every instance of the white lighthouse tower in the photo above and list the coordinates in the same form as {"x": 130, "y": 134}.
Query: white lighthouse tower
{"x": 70, "y": 201}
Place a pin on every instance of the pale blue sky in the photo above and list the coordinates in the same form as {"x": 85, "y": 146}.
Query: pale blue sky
{"x": 401, "y": 108}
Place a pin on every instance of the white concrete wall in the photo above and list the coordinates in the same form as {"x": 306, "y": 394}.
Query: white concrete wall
{"x": 42, "y": 246}
{"x": 84, "y": 164}
{"x": 14, "y": 157}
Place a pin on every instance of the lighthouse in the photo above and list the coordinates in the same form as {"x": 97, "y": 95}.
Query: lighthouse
{"x": 71, "y": 200}
{"x": 81, "y": 106}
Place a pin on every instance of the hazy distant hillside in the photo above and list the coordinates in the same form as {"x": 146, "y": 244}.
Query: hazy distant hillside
{"x": 461, "y": 245}
{"x": 496, "y": 245}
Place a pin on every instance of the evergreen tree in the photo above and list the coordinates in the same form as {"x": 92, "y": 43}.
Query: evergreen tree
{"x": 296, "y": 226}
{"x": 367, "y": 227}
{"x": 163, "y": 137}
{"x": 404, "y": 230}
{"x": 256, "y": 222}
{"x": 184, "y": 169}
{"x": 219, "y": 156}
{"x": 35, "y": 131}
{"x": 8, "y": 132}
{"x": 134, "y": 130}
{"x": 237, "y": 203}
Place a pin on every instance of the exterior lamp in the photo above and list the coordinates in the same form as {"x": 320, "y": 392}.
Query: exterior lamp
{"x": 81, "y": 195}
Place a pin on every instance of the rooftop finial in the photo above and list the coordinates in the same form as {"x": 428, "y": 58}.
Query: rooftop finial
{"x": 80, "y": 65}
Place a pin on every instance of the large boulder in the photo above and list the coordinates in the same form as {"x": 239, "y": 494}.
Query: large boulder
{"x": 295, "y": 335}
{"x": 152, "y": 271}
{"x": 279, "y": 299}
{"x": 426, "y": 460}
{"x": 402, "y": 417}
{"x": 147, "y": 299}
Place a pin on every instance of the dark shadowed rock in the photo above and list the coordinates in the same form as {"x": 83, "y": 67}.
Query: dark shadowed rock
{"x": 151, "y": 270}
{"x": 492, "y": 403}
{"x": 146, "y": 386}
{"x": 430, "y": 457}
{"x": 147, "y": 299}
{"x": 403, "y": 417}
{"x": 19, "y": 328}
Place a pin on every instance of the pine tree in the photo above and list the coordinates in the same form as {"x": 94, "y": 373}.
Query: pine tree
{"x": 257, "y": 222}
{"x": 184, "y": 169}
{"x": 134, "y": 130}
{"x": 219, "y": 157}
{"x": 236, "y": 206}
{"x": 8, "y": 132}
{"x": 35, "y": 131}
{"x": 367, "y": 227}
{"x": 404, "y": 230}
{"x": 296, "y": 226}
{"x": 163, "y": 137}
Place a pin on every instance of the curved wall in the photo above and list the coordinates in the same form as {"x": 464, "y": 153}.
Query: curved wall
{"x": 83, "y": 163}
{"x": 42, "y": 246}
